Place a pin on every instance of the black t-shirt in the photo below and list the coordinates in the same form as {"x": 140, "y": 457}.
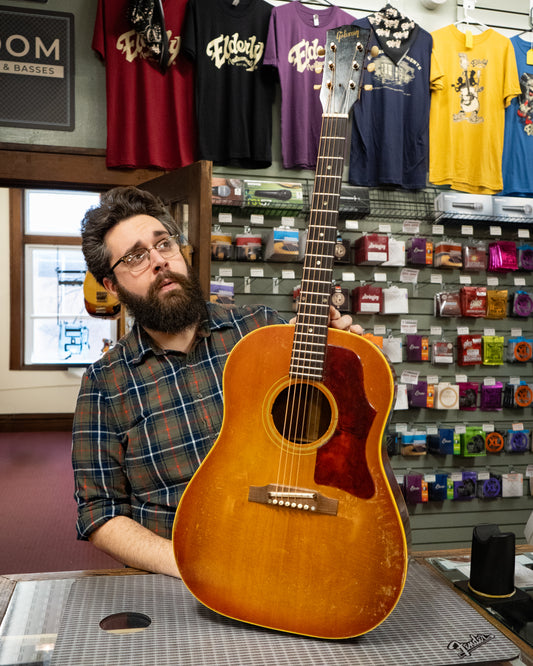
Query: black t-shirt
{"x": 234, "y": 90}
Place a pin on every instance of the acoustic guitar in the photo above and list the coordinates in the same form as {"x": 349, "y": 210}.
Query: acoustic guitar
{"x": 291, "y": 522}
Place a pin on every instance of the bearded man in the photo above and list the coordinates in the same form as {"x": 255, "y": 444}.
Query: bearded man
{"x": 151, "y": 408}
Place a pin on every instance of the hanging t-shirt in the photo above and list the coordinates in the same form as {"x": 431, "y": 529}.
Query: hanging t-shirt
{"x": 295, "y": 35}
{"x": 390, "y": 127}
{"x": 150, "y": 114}
{"x": 517, "y": 161}
{"x": 234, "y": 90}
{"x": 468, "y": 109}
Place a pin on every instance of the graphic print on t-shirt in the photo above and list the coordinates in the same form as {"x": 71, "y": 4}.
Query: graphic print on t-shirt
{"x": 132, "y": 45}
{"x": 304, "y": 56}
{"x": 234, "y": 50}
{"x": 468, "y": 86}
{"x": 525, "y": 103}
{"x": 394, "y": 77}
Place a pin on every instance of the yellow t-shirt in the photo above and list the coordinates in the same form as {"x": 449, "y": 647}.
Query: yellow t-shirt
{"x": 470, "y": 89}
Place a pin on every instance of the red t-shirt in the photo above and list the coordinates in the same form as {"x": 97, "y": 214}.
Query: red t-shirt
{"x": 150, "y": 115}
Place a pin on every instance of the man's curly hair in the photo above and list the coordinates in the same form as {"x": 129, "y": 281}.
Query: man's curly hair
{"x": 116, "y": 205}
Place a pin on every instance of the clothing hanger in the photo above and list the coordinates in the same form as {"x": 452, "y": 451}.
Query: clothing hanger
{"x": 530, "y": 29}
{"x": 325, "y": 3}
{"x": 468, "y": 20}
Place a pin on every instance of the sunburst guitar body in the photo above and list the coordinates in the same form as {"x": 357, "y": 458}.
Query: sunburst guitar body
{"x": 293, "y": 520}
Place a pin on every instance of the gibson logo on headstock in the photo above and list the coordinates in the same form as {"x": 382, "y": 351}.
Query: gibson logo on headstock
{"x": 344, "y": 34}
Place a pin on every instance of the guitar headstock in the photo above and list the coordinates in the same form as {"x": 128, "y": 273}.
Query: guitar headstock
{"x": 345, "y": 55}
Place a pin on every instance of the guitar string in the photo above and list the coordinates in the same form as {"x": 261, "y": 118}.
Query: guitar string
{"x": 300, "y": 414}
{"x": 299, "y": 391}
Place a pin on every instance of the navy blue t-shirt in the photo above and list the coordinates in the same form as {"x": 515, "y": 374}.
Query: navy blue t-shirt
{"x": 390, "y": 132}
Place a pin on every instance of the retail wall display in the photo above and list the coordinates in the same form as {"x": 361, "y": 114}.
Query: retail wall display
{"x": 469, "y": 371}
{"x": 140, "y": 130}
{"x": 390, "y": 132}
{"x": 296, "y": 36}
{"x": 472, "y": 84}
{"x": 234, "y": 90}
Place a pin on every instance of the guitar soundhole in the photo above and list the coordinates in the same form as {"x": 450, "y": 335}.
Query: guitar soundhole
{"x": 301, "y": 413}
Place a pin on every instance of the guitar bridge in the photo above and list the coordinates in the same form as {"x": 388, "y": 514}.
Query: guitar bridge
{"x": 300, "y": 499}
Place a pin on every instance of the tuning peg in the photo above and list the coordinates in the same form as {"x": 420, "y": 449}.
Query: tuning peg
{"x": 371, "y": 67}
{"x": 368, "y": 87}
{"x": 374, "y": 51}
{"x": 317, "y": 86}
{"x": 319, "y": 69}
{"x": 321, "y": 51}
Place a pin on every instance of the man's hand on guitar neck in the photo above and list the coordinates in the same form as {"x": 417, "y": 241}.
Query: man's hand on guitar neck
{"x": 342, "y": 322}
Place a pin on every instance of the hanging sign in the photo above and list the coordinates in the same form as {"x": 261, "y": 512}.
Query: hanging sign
{"x": 36, "y": 69}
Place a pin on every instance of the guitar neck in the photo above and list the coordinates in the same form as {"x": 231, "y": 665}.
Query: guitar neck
{"x": 311, "y": 330}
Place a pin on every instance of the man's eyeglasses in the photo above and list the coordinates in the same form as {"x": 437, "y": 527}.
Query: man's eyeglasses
{"x": 138, "y": 260}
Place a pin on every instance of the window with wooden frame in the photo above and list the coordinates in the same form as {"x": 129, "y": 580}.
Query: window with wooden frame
{"x": 50, "y": 325}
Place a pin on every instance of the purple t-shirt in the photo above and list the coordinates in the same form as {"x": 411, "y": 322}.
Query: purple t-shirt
{"x": 295, "y": 34}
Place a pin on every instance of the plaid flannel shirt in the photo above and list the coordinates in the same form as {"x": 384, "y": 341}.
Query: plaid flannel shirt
{"x": 146, "y": 418}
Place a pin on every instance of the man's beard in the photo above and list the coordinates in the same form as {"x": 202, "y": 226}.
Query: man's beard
{"x": 168, "y": 312}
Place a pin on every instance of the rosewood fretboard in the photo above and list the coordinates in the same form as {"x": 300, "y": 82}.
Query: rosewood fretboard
{"x": 310, "y": 336}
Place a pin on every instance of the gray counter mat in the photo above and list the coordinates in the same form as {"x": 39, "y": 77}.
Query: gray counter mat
{"x": 431, "y": 625}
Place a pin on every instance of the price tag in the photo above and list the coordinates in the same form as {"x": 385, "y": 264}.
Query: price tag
{"x": 517, "y": 426}
{"x": 409, "y": 326}
{"x": 380, "y": 329}
{"x": 495, "y": 231}
{"x": 380, "y": 277}
{"x": 435, "y": 278}
{"x": 287, "y": 221}
{"x": 516, "y": 332}
{"x": 351, "y": 225}
{"x": 438, "y": 230}
{"x": 225, "y": 272}
{"x": 411, "y": 227}
{"x": 489, "y": 381}
{"x": 257, "y": 272}
{"x": 257, "y": 219}
{"x": 288, "y": 275}
{"x": 435, "y": 330}
{"x": 489, "y": 331}
{"x": 460, "y": 429}
{"x": 348, "y": 277}
{"x": 488, "y": 427}
{"x": 462, "y": 330}
{"x": 409, "y": 275}
{"x": 523, "y": 233}
{"x": 384, "y": 228}
{"x": 493, "y": 281}
{"x": 430, "y": 478}
{"x": 465, "y": 279}
{"x": 467, "y": 230}
{"x": 401, "y": 427}
{"x": 409, "y": 377}
{"x": 432, "y": 379}
{"x": 225, "y": 218}
{"x": 460, "y": 379}
{"x": 519, "y": 282}
{"x": 483, "y": 475}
